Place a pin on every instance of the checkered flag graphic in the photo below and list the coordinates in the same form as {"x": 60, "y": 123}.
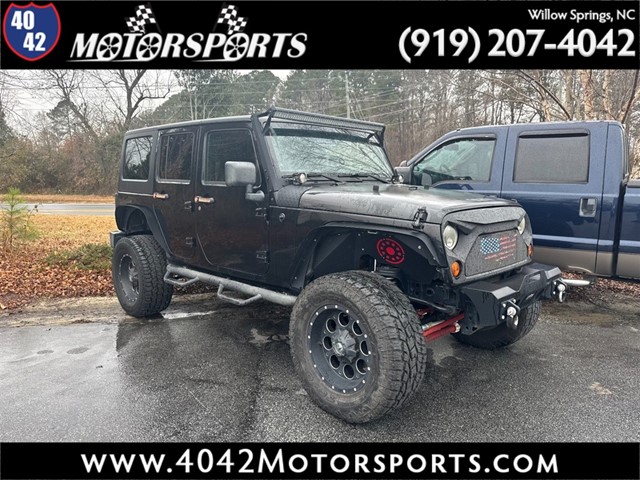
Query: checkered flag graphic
{"x": 229, "y": 15}
{"x": 144, "y": 16}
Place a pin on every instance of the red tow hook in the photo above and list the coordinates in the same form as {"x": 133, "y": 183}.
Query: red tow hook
{"x": 440, "y": 329}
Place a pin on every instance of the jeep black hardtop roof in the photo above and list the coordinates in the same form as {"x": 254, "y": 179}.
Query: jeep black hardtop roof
{"x": 192, "y": 123}
{"x": 280, "y": 114}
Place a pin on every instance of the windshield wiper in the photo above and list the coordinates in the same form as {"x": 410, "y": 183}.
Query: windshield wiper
{"x": 311, "y": 176}
{"x": 364, "y": 175}
{"x": 316, "y": 175}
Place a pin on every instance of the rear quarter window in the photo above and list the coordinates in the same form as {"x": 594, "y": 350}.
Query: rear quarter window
{"x": 137, "y": 154}
{"x": 175, "y": 157}
{"x": 552, "y": 158}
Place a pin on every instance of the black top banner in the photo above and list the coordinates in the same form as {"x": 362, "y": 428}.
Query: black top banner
{"x": 293, "y": 35}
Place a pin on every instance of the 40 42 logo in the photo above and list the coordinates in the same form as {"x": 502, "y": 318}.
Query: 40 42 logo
{"x": 31, "y": 31}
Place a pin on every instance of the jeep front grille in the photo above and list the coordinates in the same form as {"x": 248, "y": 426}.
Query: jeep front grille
{"x": 494, "y": 251}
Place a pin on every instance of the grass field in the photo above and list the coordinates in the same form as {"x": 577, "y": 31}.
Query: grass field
{"x": 60, "y": 263}
{"x": 69, "y": 198}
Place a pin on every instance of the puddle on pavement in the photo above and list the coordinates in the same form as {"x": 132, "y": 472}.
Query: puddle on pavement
{"x": 177, "y": 315}
{"x": 261, "y": 339}
{"x": 77, "y": 351}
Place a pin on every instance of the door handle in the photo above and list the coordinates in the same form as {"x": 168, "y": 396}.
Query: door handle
{"x": 160, "y": 196}
{"x": 588, "y": 207}
{"x": 200, "y": 199}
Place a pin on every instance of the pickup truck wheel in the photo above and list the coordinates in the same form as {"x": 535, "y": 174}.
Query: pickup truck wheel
{"x": 502, "y": 335}
{"x": 138, "y": 267}
{"x": 356, "y": 344}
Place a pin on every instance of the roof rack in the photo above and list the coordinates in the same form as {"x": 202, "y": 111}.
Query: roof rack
{"x": 321, "y": 119}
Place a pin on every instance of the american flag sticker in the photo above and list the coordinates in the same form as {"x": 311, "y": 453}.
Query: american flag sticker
{"x": 499, "y": 248}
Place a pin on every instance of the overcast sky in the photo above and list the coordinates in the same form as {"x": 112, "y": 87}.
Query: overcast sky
{"x": 24, "y": 100}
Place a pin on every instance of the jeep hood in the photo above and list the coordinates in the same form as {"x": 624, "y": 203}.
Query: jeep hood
{"x": 392, "y": 201}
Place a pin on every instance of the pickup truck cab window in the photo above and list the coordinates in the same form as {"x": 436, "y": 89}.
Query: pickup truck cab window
{"x": 461, "y": 159}
{"x": 222, "y": 146}
{"x": 551, "y": 158}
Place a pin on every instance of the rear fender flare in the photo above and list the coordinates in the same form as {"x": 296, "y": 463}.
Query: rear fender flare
{"x": 139, "y": 221}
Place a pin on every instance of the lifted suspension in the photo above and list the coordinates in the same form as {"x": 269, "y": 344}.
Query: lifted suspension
{"x": 434, "y": 330}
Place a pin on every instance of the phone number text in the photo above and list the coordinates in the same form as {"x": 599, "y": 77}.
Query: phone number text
{"x": 514, "y": 43}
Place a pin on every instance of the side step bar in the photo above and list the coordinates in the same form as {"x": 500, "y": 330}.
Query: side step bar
{"x": 255, "y": 293}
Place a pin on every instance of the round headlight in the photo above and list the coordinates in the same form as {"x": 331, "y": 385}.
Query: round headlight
{"x": 450, "y": 237}
{"x": 522, "y": 225}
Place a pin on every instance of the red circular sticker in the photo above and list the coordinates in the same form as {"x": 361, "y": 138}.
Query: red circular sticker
{"x": 390, "y": 250}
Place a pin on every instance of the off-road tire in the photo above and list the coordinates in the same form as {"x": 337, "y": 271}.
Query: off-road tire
{"x": 502, "y": 335}
{"x": 148, "y": 294}
{"x": 389, "y": 324}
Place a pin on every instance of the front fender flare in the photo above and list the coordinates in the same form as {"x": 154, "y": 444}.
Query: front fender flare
{"x": 340, "y": 246}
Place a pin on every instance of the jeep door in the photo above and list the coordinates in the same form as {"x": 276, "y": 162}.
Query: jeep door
{"x": 231, "y": 230}
{"x": 173, "y": 189}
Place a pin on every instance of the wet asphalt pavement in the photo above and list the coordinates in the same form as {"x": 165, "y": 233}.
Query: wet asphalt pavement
{"x": 213, "y": 372}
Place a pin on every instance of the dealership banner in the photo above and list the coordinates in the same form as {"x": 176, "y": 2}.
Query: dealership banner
{"x": 293, "y": 35}
{"x": 313, "y": 460}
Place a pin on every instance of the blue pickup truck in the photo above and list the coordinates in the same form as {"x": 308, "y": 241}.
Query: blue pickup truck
{"x": 572, "y": 178}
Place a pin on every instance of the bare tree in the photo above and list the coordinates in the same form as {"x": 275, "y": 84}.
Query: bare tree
{"x": 128, "y": 90}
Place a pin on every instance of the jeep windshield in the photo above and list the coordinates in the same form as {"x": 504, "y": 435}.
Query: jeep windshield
{"x": 327, "y": 153}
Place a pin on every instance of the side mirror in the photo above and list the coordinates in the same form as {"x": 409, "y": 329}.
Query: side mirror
{"x": 243, "y": 174}
{"x": 404, "y": 172}
{"x": 239, "y": 174}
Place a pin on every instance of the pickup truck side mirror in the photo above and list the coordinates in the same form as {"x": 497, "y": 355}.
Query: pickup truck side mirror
{"x": 243, "y": 174}
{"x": 404, "y": 172}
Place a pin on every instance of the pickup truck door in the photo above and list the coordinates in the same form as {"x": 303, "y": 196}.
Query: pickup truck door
{"x": 472, "y": 160}
{"x": 557, "y": 176}
{"x": 231, "y": 230}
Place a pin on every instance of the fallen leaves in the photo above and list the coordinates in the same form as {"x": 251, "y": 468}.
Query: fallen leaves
{"x": 24, "y": 276}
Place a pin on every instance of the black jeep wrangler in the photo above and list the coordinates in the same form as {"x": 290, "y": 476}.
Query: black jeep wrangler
{"x": 305, "y": 210}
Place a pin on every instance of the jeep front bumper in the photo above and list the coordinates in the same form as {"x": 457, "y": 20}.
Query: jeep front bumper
{"x": 496, "y": 301}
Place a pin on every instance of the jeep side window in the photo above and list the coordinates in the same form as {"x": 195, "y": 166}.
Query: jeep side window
{"x": 137, "y": 152}
{"x": 552, "y": 158}
{"x": 176, "y": 153}
{"x": 465, "y": 159}
{"x": 224, "y": 146}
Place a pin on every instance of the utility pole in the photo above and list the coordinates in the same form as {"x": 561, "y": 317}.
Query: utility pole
{"x": 346, "y": 92}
